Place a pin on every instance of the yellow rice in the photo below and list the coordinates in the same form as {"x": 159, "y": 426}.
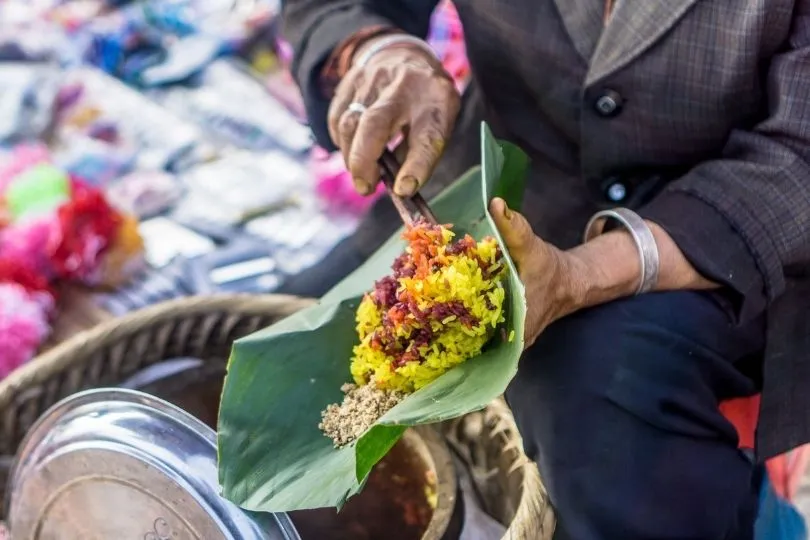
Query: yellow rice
{"x": 471, "y": 277}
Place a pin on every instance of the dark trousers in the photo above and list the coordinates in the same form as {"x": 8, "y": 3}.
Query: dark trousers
{"x": 619, "y": 407}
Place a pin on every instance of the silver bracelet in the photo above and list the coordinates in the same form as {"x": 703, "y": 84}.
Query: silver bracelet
{"x": 642, "y": 236}
{"x": 392, "y": 41}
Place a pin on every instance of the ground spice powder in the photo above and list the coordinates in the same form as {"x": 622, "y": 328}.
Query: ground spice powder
{"x": 361, "y": 407}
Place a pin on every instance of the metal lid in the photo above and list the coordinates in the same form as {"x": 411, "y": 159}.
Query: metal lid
{"x": 112, "y": 464}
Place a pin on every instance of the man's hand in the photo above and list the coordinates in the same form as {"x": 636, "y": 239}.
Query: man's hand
{"x": 552, "y": 289}
{"x": 606, "y": 268}
{"x": 406, "y": 91}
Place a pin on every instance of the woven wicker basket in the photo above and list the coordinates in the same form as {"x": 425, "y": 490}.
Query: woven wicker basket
{"x": 205, "y": 328}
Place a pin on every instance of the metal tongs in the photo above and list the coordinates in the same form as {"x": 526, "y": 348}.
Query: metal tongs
{"x": 389, "y": 167}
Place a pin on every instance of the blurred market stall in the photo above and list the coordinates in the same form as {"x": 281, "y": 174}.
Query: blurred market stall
{"x": 157, "y": 149}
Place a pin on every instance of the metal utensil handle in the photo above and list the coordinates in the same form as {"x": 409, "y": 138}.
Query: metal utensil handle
{"x": 390, "y": 168}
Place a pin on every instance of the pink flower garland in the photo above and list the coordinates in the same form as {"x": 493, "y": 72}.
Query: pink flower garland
{"x": 66, "y": 242}
{"x": 23, "y": 325}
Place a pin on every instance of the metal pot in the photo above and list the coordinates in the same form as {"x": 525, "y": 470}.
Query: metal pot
{"x": 112, "y": 464}
{"x": 196, "y": 386}
{"x": 109, "y": 464}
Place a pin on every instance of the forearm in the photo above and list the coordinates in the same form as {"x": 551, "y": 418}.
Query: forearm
{"x": 608, "y": 268}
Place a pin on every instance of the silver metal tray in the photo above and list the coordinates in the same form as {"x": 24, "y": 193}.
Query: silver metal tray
{"x": 115, "y": 464}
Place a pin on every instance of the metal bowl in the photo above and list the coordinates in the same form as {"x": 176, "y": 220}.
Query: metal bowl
{"x": 112, "y": 464}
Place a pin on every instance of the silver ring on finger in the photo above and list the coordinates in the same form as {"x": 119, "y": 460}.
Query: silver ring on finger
{"x": 356, "y": 107}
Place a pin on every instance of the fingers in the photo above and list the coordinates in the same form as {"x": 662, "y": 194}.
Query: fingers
{"x": 427, "y": 137}
{"x": 516, "y": 232}
{"x": 363, "y": 135}
{"x": 342, "y": 122}
{"x": 347, "y": 128}
{"x": 375, "y": 128}
{"x": 344, "y": 95}
{"x": 400, "y": 93}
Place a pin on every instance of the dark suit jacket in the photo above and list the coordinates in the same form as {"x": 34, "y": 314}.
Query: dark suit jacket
{"x": 694, "y": 112}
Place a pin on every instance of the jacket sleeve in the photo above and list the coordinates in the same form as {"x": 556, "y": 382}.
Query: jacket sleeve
{"x": 316, "y": 27}
{"x": 744, "y": 219}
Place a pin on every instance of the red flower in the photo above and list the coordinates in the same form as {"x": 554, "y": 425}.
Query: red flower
{"x": 16, "y": 271}
{"x": 87, "y": 226}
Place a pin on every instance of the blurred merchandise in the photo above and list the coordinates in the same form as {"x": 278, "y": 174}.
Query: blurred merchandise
{"x": 244, "y": 265}
{"x": 27, "y": 33}
{"x": 97, "y": 106}
{"x": 27, "y": 97}
{"x": 124, "y": 256}
{"x": 216, "y": 102}
{"x": 301, "y": 236}
{"x": 272, "y": 61}
{"x": 165, "y": 240}
{"x": 74, "y": 14}
{"x": 219, "y": 233}
{"x": 34, "y": 192}
{"x": 238, "y": 186}
{"x": 231, "y": 22}
{"x": 158, "y": 42}
{"x": 145, "y": 193}
{"x": 147, "y": 288}
{"x": 183, "y": 59}
{"x": 21, "y": 157}
{"x": 447, "y": 39}
{"x": 93, "y": 159}
{"x": 59, "y": 226}
{"x": 119, "y": 42}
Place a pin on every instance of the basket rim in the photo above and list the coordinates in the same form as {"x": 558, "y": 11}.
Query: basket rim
{"x": 53, "y": 361}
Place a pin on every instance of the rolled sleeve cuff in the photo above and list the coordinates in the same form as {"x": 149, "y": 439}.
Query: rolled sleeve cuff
{"x": 332, "y": 29}
{"x": 712, "y": 245}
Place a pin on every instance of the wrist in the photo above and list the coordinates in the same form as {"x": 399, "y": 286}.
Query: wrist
{"x": 367, "y": 44}
{"x": 404, "y": 47}
{"x": 340, "y": 61}
{"x": 676, "y": 271}
{"x": 570, "y": 283}
{"x": 604, "y": 269}
{"x": 608, "y": 267}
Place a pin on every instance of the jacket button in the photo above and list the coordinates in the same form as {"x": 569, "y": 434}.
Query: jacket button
{"x": 609, "y": 104}
{"x": 616, "y": 192}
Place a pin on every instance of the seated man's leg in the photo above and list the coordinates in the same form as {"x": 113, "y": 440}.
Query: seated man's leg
{"x": 619, "y": 407}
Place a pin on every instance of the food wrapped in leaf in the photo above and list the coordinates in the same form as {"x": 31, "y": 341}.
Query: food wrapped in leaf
{"x": 439, "y": 307}
{"x": 272, "y": 454}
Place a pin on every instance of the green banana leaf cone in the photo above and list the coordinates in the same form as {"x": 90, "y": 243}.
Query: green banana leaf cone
{"x": 272, "y": 455}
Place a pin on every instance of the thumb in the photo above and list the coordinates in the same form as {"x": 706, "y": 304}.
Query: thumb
{"x": 516, "y": 232}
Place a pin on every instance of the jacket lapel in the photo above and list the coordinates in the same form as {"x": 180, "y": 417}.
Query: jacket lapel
{"x": 583, "y": 21}
{"x": 633, "y": 27}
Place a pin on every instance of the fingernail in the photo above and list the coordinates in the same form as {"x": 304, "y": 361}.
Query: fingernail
{"x": 361, "y": 186}
{"x": 506, "y": 212}
{"x": 407, "y": 186}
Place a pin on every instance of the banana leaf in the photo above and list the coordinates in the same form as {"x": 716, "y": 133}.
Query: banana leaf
{"x": 272, "y": 456}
